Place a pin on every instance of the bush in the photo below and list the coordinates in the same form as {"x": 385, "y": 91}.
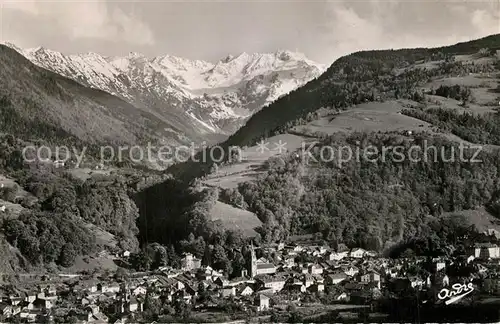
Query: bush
{"x": 8, "y": 193}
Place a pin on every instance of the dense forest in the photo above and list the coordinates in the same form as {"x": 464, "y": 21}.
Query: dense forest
{"x": 55, "y": 202}
{"x": 371, "y": 203}
{"x": 472, "y": 127}
{"x": 25, "y": 129}
{"x": 44, "y": 237}
{"x": 64, "y": 207}
{"x": 175, "y": 215}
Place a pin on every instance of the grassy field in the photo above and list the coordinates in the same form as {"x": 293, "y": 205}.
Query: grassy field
{"x": 98, "y": 263}
{"x": 8, "y": 182}
{"x": 448, "y": 103}
{"x": 480, "y": 218}
{"x": 252, "y": 161}
{"x": 103, "y": 238}
{"x": 481, "y": 86}
{"x": 368, "y": 117}
{"x": 14, "y": 209}
{"x": 250, "y": 167}
{"x": 235, "y": 219}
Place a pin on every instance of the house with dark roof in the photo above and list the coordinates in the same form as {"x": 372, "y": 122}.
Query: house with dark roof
{"x": 335, "y": 278}
{"x": 357, "y": 253}
{"x": 274, "y": 283}
{"x": 295, "y": 285}
{"x": 317, "y": 287}
{"x": 244, "y": 290}
{"x": 265, "y": 268}
{"x": 350, "y": 270}
{"x": 370, "y": 276}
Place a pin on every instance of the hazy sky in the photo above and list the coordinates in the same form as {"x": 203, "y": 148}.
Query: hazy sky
{"x": 212, "y": 29}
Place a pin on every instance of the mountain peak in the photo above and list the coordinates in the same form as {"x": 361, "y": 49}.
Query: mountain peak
{"x": 41, "y": 50}
{"x": 38, "y": 49}
{"x": 92, "y": 54}
{"x": 227, "y": 59}
{"x": 135, "y": 55}
{"x": 286, "y": 55}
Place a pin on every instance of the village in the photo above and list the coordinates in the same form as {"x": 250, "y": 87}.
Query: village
{"x": 344, "y": 279}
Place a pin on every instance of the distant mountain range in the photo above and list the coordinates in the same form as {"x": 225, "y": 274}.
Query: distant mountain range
{"x": 195, "y": 100}
{"x": 37, "y": 104}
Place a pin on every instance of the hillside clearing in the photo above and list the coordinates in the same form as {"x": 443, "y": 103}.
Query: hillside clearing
{"x": 368, "y": 117}
{"x": 235, "y": 219}
{"x": 11, "y": 209}
{"x": 252, "y": 161}
{"x": 478, "y": 217}
{"x": 92, "y": 263}
{"x": 86, "y": 173}
{"x": 103, "y": 238}
{"x": 481, "y": 86}
{"x": 21, "y": 193}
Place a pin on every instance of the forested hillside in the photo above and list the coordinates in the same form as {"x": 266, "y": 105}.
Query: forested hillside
{"x": 54, "y": 208}
{"x": 484, "y": 129}
{"x": 371, "y": 203}
{"x": 176, "y": 215}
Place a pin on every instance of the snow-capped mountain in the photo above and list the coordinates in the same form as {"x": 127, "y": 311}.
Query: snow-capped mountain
{"x": 197, "y": 98}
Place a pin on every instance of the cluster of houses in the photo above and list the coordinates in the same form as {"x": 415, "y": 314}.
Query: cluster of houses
{"x": 29, "y": 305}
{"x": 353, "y": 276}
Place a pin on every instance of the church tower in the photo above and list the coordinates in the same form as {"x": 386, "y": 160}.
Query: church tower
{"x": 253, "y": 262}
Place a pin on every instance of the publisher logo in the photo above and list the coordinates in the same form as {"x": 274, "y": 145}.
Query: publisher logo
{"x": 457, "y": 292}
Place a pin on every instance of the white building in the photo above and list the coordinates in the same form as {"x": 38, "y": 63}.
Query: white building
{"x": 263, "y": 303}
{"x": 337, "y": 256}
{"x": 350, "y": 271}
{"x": 315, "y": 269}
{"x": 275, "y": 284}
{"x": 190, "y": 262}
{"x": 261, "y": 266}
{"x": 357, "y": 253}
{"x": 246, "y": 291}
